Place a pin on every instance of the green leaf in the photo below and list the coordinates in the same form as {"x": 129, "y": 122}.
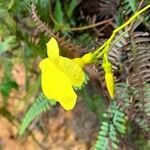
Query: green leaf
{"x": 6, "y": 87}
{"x": 7, "y": 44}
{"x": 7, "y": 82}
{"x": 58, "y": 13}
{"x": 131, "y": 4}
{"x": 71, "y": 8}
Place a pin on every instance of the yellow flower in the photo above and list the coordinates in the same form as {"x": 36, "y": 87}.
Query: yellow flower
{"x": 109, "y": 78}
{"x": 59, "y": 75}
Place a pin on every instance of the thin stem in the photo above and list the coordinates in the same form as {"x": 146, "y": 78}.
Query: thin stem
{"x": 107, "y": 43}
{"x": 131, "y": 19}
{"x": 89, "y": 26}
{"x": 79, "y": 28}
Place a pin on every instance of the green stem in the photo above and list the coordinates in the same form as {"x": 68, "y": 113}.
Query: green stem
{"x": 106, "y": 45}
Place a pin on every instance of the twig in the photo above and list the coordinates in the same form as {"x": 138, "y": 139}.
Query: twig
{"x": 89, "y": 26}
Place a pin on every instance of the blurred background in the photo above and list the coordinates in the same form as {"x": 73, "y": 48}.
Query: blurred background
{"x": 80, "y": 26}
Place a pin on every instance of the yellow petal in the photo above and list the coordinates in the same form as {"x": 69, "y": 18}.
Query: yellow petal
{"x": 109, "y": 79}
{"x": 72, "y": 70}
{"x": 52, "y": 48}
{"x": 68, "y": 105}
{"x": 79, "y": 61}
{"x": 56, "y": 85}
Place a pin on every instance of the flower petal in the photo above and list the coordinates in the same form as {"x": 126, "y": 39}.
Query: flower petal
{"x": 56, "y": 85}
{"x": 72, "y": 70}
{"x": 68, "y": 105}
{"x": 52, "y": 48}
{"x": 79, "y": 61}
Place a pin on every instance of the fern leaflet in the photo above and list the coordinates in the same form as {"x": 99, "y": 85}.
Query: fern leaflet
{"x": 41, "y": 105}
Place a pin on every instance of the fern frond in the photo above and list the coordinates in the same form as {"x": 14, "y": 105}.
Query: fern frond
{"x": 138, "y": 59}
{"x": 103, "y": 141}
{"x": 40, "y": 105}
{"x": 141, "y": 116}
{"x": 67, "y": 46}
{"x": 128, "y": 53}
{"x": 116, "y": 118}
{"x": 22, "y": 6}
{"x": 146, "y": 100}
{"x": 111, "y": 129}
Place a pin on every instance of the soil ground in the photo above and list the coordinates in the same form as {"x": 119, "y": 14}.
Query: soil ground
{"x": 54, "y": 130}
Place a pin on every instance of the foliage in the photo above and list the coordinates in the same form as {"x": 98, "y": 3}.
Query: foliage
{"x": 40, "y": 105}
{"x": 7, "y": 82}
{"x": 25, "y": 27}
{"x": 115, "y": 124}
